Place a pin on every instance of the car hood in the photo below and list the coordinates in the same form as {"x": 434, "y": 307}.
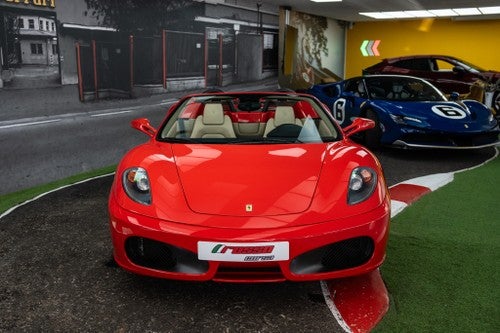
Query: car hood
{"x": 253, "y": 180}
{"x": 491, "y": 76}
{"x": 443, "y": 115}
{"x": 248, "y": 186}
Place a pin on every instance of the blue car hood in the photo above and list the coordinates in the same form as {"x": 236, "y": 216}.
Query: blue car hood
{"x": 443, "y": 115}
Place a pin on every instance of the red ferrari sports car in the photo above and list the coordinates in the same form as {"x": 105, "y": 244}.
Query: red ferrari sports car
{"x": 249, "y": 187}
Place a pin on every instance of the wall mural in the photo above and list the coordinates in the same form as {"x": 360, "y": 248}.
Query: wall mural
{"x": 306, "y": 45}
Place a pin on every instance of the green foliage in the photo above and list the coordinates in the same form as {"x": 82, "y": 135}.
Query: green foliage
{"x": 148, "y": 17}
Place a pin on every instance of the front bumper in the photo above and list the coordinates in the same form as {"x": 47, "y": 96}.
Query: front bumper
{"x": 417, "y": 138}
{"x": 403, "y": 144}
{"x": 334, "y": 249}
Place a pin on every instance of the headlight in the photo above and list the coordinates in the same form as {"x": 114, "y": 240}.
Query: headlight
{"x": 491, "y": 117}
{"x": 361, "y": 185}
{"x": 404, "y": 120}
{"x": 136, "y": 184}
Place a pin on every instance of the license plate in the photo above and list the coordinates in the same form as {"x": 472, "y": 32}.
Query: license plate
{"x": 243, "y": 252}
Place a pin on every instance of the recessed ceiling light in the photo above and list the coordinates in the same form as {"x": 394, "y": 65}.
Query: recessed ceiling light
{"x": 443, "y": 12}
{"x": 472, "y": 11}
{"x": 467, "y": 11}
{"x": 420, "y": 13}
{"x": 490, "y": 10}
{"x": 398, "y": 14}
{"x": 376, "y": 15}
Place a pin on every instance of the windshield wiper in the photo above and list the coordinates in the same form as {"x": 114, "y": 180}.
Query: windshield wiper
{"x": 282, "y": 140}
{"x": 179, "y": 140}
{"x": 244, "y": 141}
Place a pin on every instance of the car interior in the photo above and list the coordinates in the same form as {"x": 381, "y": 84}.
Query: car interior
{"x": 224, "y": 117}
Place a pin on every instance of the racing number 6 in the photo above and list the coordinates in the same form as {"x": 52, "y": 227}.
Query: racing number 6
{"x": 448, "y": 111}
{"x": 339, "y": 110}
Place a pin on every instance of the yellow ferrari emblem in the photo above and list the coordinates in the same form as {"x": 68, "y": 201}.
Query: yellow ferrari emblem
{"x": 249, "y": 207}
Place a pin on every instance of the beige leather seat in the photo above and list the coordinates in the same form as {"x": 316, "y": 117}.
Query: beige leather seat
{"x": 213, "y": 123}
{"x": 283, "y": 115}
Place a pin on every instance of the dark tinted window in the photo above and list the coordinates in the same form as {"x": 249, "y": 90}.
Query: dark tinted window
{"x": 331, "y": 91}
{"x": 420, "y": 64}
{"x": 402, "y": 89}
{"x": 356, "y": 86}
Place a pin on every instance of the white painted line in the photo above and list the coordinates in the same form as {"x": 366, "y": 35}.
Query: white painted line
{"x": 397, "y": 207}
{"x": 110, "y": 113}
{"x": 10, "y": 210}
{"x": 433, "y": 182}
{"x": 333, "y": 309}
{"x": 33, "y": 123}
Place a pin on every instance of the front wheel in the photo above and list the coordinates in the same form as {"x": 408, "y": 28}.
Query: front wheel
{"x": 373, "y": 136}
{"x": 496, "y": 104}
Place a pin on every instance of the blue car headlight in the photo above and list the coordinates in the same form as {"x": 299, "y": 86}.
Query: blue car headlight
{"x": 136, "y": 184}
{"x": 405, "y": 120}
{"x": 362, "y": 183}
{"x": 491, "y": 118}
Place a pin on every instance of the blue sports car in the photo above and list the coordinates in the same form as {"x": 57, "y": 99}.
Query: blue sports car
{"x": 409, "y": 112}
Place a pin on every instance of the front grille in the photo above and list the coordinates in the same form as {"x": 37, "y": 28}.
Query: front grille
{"x": 345, "y": 254}
{"x": 249, "y": 274}
{"x": 161, "y": 256}
{"x": 149, "y": 253}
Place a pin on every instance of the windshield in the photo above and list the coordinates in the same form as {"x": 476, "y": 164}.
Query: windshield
{"x": 249, "y": 118}
{"x": 468, "y": 66}
{"x": 401, "y": 88}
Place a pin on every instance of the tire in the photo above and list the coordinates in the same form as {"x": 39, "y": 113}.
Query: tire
{"x": 496, "y": 104}
{"x": 372, "y": 136}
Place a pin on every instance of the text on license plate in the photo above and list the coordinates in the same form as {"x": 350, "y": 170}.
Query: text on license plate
{"x": 243, "y": 252}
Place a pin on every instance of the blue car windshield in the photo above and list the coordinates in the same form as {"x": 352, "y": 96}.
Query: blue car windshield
{"x": 401, "y": 88}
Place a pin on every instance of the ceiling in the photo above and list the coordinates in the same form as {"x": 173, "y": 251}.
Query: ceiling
{"x": 348, "y": 10}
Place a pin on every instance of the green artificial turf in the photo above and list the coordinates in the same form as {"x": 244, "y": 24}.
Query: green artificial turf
{"x": 9, "y": 200}
{"x": 443, "y": 258}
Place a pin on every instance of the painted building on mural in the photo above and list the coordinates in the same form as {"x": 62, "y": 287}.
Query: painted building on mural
{"x": 37, "y": 40}
{"x": 45, "y": 32}
{"x": 28, "y": 33}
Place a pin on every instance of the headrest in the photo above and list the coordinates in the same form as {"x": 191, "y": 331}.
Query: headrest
{"x": 213, "y": 114}
{"x": 397, "y": 87}
{"x": 361, "y": 87}
{"x": 284, "y": 115}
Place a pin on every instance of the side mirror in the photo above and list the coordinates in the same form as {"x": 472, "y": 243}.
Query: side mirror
{"x": 358, "y": 125}
{"x": 143, "y": 125}
{"x": 454, "y": 96}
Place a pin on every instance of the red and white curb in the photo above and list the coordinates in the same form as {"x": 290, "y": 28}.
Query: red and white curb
{"x": 407, "y": 192}
{"x": 359, "y": 303}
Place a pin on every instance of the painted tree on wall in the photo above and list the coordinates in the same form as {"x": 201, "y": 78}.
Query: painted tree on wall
{"x": 311, "y": 42}
{"x": 145, "y": 16}
{"x": 312, "y": 34}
